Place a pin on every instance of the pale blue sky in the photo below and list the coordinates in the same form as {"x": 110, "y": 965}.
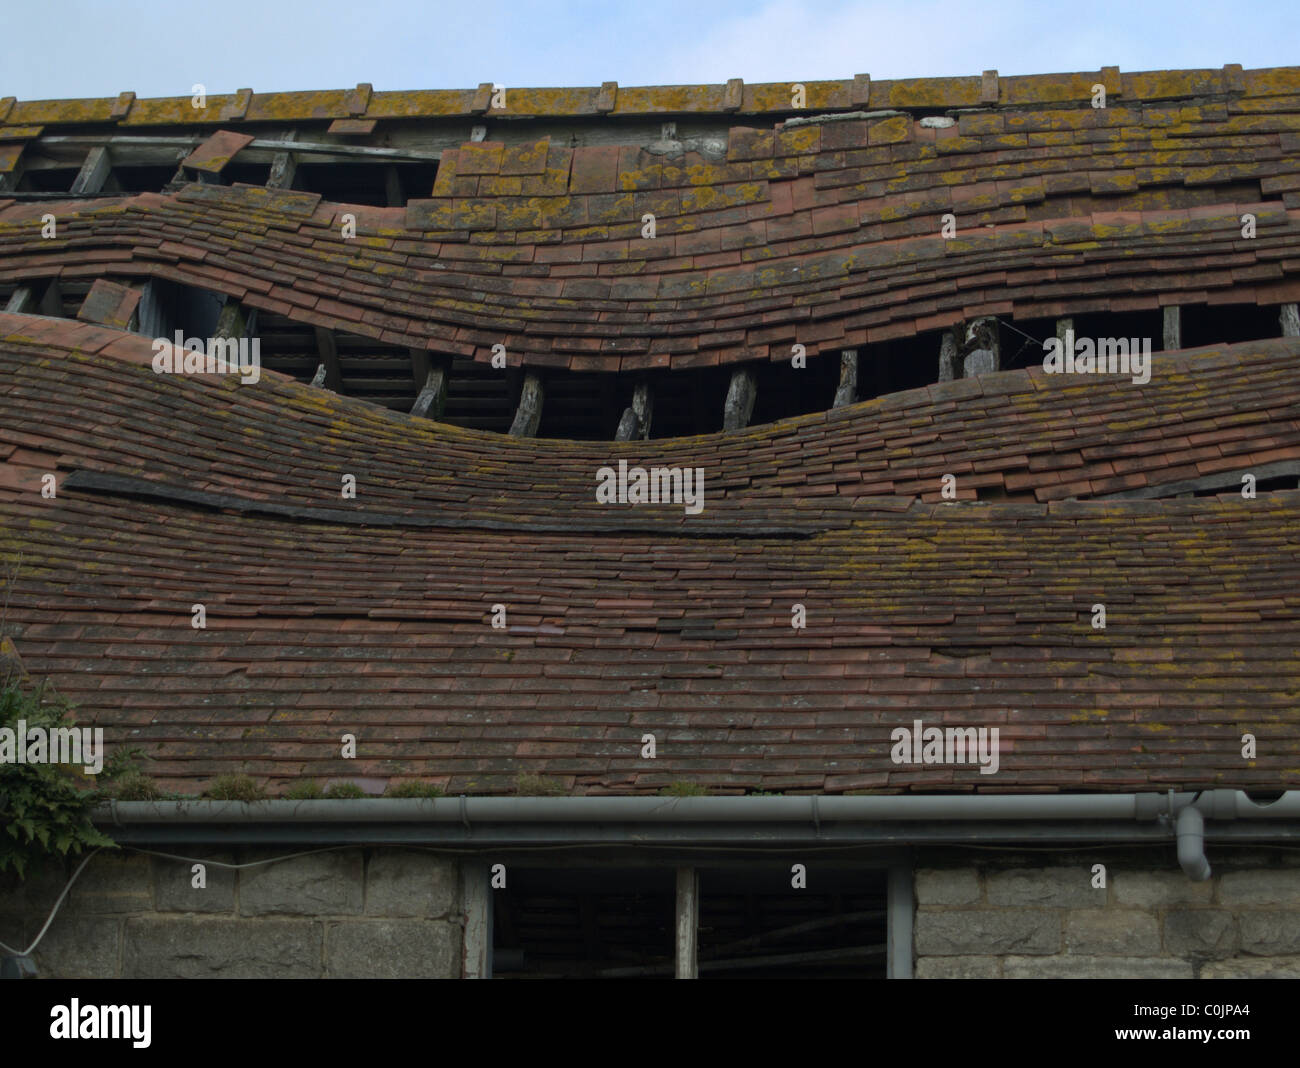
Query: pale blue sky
{"x": 162, "y": 47}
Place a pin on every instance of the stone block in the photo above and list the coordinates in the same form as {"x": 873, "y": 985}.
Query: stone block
{"x": 79, "y": 947}
{"x": 408, "y": 883}
{"x": 174, "y": 889}
{"x": 947, "y": 886}
{"x": 187, "y": 947}
{"x": 113, "y": 884}
{"x": 958, "y": 968}
{"x": 1269, "y": 933}
{"x": 1112, "y": 932}
{"x": 961, "y": 932}
{"x": 1266, "y": 886}
{"x": 1072, "y": 967}
{"x": 322, "y": 884}
{"x": 1152, "y": 889}
{"x": 1057, "y": 887}
{"x": 1200, "y": 933}
{"x": 1253, "y": 968}
{"x": 393, "y": 949}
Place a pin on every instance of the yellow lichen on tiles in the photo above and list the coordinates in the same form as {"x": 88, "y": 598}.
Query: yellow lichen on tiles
{"x": 326, "y": 104}
{"x": 426, "y": 102}
{"x": 797, "y": 141}
{"x": 60, "y": 112}
{"x": 668, "y": 99}
{"x": 889, "y": 131}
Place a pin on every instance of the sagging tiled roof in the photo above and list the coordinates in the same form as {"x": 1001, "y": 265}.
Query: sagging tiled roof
{"x": 1225, "y": 411}
{"x": 623, "y": 622}
{"x": 825, "y": 234}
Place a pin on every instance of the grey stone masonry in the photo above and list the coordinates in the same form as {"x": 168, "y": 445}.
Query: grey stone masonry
{"x": 354, "y": 913}
{"x": 1020, "y": 918}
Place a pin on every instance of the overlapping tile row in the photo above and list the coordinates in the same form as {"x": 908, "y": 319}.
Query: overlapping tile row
{"x": 969, "y": 615}
{"x": 1023, "y": 434}
{"x": 825, "y": 235}
{"x": 966, "y": 614}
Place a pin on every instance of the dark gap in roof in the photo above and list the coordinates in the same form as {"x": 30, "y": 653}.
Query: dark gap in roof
{"x": 144, "y": 179}
{"x": 48, "y": 179}
{"x": 1018, "y": 351}
{"x": 785, "y": 391}
{"x": 686, "y": 402}
{"x": 479, "y": 397}
{"x": 416, "y": 180}
{"x": 72, "y": 294}
{"x": 378, "y": 185}
{"x": 1211, "y": 324}
{"x": 1280, "y": 483}
{"x": 1135, "y": 324}
{"x": 583, "y": 405}
{"x": 370, "y": 370}
{"x": 248, "y": 173}
{"x": 287, "y": 346}
{"x": 897, "y": 365}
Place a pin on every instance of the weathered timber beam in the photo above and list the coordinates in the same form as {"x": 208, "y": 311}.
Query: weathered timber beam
{"x": 284, "y": 167}
{"x": 528, "y": 416}
{"x": 982, "y": 349}
{"x": 151, "y": 316}
{"x": 688, "y": 924}
{"x": 21, "y": 301}
{"x": 741, "y": 395}
{"x": 262, "y": 145}
{"x": 431, "y": 391}
{"x": 328, "y": 374}
{"x": 9, "y": 179}
{"x": 1289, "y": 317}
{"x": 232, "y": 320}
{"x": 94, "y": 172}
{"x": 1173, "y": 328}
{"x": 635, "y": 423}
{"x": 847, "y": 391}
{"x": 948, "y": 356}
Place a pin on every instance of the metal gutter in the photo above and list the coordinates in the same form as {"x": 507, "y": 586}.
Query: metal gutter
{"x": 757, "y": 822}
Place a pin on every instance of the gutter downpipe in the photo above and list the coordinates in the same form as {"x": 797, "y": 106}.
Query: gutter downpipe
{"x": 1189, "y": 826}
{"x": 1186, "y": 811}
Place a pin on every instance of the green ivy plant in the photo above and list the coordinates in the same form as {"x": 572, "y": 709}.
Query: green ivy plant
{"x": 43, "y": 811}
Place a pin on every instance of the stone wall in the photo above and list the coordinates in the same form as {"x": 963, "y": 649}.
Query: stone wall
{"x": 397, "y": 913}
{"x": 1026, "y": 921}
{"x": 356, "y": 913}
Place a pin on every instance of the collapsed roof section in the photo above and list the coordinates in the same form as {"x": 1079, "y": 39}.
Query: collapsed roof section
{"x": 580, "y": 236}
